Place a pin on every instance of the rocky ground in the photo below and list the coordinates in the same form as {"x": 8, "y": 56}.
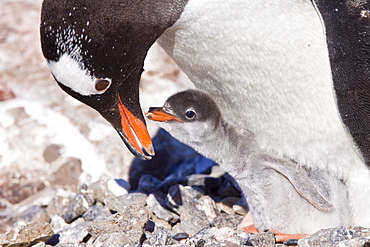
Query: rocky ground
{"x": 68, "y": 180}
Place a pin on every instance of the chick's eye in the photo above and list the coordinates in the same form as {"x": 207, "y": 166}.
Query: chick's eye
{"x": 102, "y": 84}
{"x": 190, "y": 114}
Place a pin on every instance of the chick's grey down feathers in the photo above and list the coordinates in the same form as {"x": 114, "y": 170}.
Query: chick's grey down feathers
{"x": 281, "y": 194}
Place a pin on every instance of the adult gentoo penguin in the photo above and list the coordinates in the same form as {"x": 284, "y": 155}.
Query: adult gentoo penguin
{"x": 281, "y": 195}
{"x": 265, "y": 62}
{"x": 348, "y": 38}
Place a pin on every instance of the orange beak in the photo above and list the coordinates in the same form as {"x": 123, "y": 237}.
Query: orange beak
{"x": 160, "y": 115}
{"x": 135, "y": 133}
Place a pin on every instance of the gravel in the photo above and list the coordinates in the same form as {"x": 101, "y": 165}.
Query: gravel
{"x": 188, "y": 207}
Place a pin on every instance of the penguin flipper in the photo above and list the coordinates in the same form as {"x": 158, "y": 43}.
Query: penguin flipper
{"x": 301, "y": 182}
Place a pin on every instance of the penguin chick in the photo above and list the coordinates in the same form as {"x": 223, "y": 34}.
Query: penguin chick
{"x": 281, "y": 194}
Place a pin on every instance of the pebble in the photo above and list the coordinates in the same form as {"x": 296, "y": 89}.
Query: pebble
{"x": 131, "y": 223}
{"x": 103, "y": 189}
{"x": 160, "y": 236}
{"x": 120, "y": 203}
{"x": 193, "y": 219}
{"x": 75, "y": 234}
{"x": 32, "y": 215}
{"x": 28, "y": 235}
{"x": 96, "y": 213}
{"x": 265, "y": 239}
{"x": 230, "y": 220}
{"x": 209, "y": 207}
{"x": 241, "y": 207}
{"x": 118, "y": 187}
{"x": 59, "y": 203}
{"x": 76, "y": 208}
{"x": 206, "y": 183}
{"x": 58, "y": 223}
{"x": 226, "y": 204}
{"x": 157, "y": 206}
{"x": 113, "y": 239}
{"x": 224, "y": 235}
{"x": 335, "y": 237}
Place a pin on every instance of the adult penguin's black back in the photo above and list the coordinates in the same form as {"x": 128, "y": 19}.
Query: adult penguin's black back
{"x": 347, "y": 26}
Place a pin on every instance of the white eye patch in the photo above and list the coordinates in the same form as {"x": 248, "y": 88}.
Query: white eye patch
{"x": 70, "y": 73}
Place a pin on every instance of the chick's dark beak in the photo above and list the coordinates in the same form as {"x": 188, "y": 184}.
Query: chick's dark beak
{"x": 134, "y": 133}
{"x": 159, "y": 114}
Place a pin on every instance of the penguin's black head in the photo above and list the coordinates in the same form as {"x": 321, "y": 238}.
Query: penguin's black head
{"x": 96, "y": 50}
{"x": 189, "y": 106}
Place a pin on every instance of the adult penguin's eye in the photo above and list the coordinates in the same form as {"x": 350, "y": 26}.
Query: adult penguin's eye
{"x": 102, "y": 85}
{"x": 190, "y": 114}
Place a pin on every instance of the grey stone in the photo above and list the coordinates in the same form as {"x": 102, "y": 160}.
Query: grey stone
{"x": 74, "y": 235}
{"x": 341, "y": 236}
{"x": 58, "y": 223}
{"x": 32, "y": 215}
{"x": 217, "y": 171}
{"x": 76, "y": 208}
{"x": 96, "y": 212}
{"x": 159, "y": 236}
{"x": 265, "y": 239}
{"x": 103, "y": 227}
{"x": 114, "y": 239}
{"x": 226, "y": 204}
{"x": 179, "y": 196}
{"x": 131, "y": 222}
{"x": 160, "y": 222}
{"x": 328, "y": 237}
{"x": 88, "y": 194}
{"x": 224, "y": 236}
{"x": 42, "y": 244}
{"x": 103, "y": 189}
{"x": 178, "y": 228}
{"x": 180, "y": 236}
{"x": 120, "y": 203}
{"x": 28, "y": 235}
{"x": 224, "y": 243}
{"x": 356, "y": 242}
{"x": 361, "y": 231}
{"x": 209, "y": 207}
{"x": 185, "y": 202}
{"x": 229, "y": 220}
{"x": 241, "y": 207}
{"x": 173, "y": 245}
{"x": 135, "y": 244}
{"x": 157, "y": 206}
{"x": 123, "y": 186}
{"x": 70, "y": 245}
{"x": 204, "y": 182}
{"x": 60, "y": 202}
{"x": 192, "y": 219}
